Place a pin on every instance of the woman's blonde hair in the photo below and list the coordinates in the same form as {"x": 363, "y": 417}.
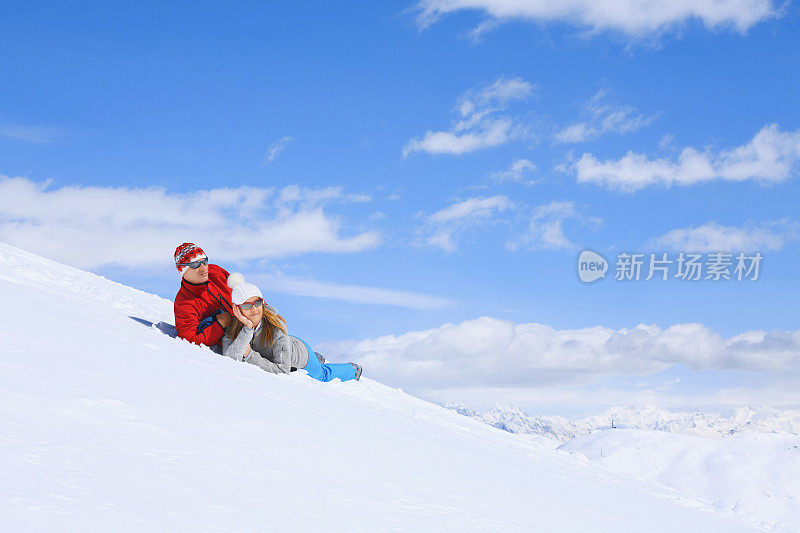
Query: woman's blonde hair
{"x": 269, "y": 321}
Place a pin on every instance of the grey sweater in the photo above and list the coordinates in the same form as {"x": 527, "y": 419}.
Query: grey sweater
{"x": 286, "y": 351}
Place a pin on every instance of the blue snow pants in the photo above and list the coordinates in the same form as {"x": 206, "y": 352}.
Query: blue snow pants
{"x": 327, "y": 371}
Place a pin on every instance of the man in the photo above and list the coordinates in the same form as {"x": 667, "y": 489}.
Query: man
{"x": 203, "y": 302}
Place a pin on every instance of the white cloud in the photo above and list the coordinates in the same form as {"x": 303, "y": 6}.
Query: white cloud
{"x": 444, "y": 225}
{"x": 576, "y": 133}
{"x": 770, "y": 157}
{"x": 492, "y": 133}
{"x": 546, "y": 227}
{"x": 603, "y": 118}
{"x": 714, "y": 237}
{"x": 276, "y": 148}
{"x": 278, "y": 282}
{"x": 480, "y": 123}
{"x": 473, "y": 208}
{"x": 33, "y": 134}
{"x": 517, "y": 172}
{"x": 313, "y": 197}
{"x": 635, "y": 18}
{"x": 90, "y": 227}
{"x": 489, "y": 352}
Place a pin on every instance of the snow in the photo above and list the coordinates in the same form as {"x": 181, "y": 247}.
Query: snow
{"x": 757, "y": 473}
{"x": 108, "y": 423}
{"x": 747, "y": 461}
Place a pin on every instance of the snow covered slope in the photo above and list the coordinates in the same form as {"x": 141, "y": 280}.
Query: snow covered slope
{"x": 748, "y": 461}
{"x": 759, "y": 473}
{"x": 107, "y": 423}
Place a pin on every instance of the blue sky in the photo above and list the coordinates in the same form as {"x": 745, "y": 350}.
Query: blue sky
{"x": 384, "y": 169}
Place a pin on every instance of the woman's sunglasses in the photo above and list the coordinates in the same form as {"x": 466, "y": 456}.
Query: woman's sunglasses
{"x": 195, "y": 264}
{"x": 251, "y": 305}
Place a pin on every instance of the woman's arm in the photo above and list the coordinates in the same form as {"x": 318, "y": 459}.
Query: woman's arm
{"x": 282, "y": 351}
{"x": 239, "y": 348}
{"x": 263, "y": 363}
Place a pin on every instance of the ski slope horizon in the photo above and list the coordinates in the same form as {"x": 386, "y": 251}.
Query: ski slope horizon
{"x": 107, "y": 422}
{"x": 743, "y": 420}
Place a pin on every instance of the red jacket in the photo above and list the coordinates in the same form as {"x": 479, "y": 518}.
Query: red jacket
{"x": 193, "y": 303}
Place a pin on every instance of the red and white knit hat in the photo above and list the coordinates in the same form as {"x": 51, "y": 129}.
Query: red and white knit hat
{"x": 186, "y": 253}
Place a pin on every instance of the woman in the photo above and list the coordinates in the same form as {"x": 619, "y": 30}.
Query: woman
{"x": 257, "y": 335}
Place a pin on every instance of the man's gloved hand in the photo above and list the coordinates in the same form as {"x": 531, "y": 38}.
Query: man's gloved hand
{"x": 219, "y": 315}
{"x": 205, "y": 323}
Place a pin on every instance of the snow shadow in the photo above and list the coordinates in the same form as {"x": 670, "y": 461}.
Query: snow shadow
{"x": 163, "y": 327}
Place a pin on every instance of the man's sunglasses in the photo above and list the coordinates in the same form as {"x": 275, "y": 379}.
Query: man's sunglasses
{"x": 195, "y": 264}
{"x": 247, "y": 306}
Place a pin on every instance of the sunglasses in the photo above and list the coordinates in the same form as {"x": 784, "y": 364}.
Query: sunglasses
{"x": 195, "y": 264}
{"x": 258, "y": 302}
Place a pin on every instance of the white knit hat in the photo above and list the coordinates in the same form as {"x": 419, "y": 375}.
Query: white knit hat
{"x": 242, "y": 291}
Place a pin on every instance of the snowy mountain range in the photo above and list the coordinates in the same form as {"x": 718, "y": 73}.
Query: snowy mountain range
{"x": 744, "y": 420}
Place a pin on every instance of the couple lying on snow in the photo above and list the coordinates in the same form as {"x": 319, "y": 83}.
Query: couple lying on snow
{"x": 214, "y": 307}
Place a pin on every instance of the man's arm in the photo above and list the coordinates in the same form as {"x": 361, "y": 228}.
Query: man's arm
{"x": 186, "y": 322}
